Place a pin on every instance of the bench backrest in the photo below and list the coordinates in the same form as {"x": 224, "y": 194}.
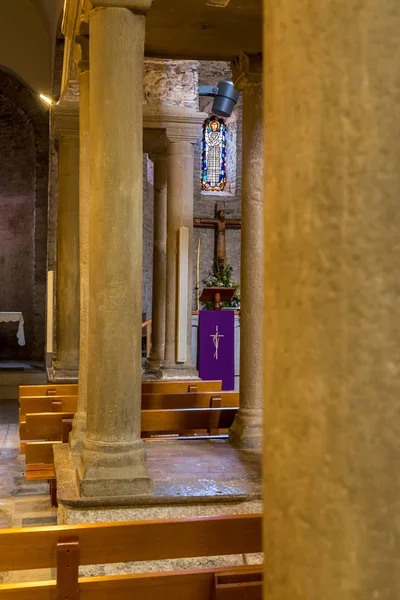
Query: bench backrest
{"x": 68, "y": 547}
{"x": 48, "y": 390}
{"x": 148, "y": 387}
{"x": 173, "y": 387}
{"x": 42, "y": 404}
{"x": 44, "y": 426}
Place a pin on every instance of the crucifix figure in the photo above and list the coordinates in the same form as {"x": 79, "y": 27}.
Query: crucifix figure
{"x": 215, "y": 339}
{"x": 221, "y": 225}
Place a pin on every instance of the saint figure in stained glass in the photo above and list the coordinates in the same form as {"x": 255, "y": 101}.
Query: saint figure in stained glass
{"x": 214, "y": 155}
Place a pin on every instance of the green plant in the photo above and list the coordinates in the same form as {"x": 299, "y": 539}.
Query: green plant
{"x": 221, "y": 276}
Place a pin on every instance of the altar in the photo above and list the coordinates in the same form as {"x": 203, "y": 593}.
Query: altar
{"x": 15, "y": 317}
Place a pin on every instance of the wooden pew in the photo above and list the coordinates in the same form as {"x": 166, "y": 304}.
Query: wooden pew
{"x": 45, "y": 426}
{"x": 42, "y": 404}
{"x": 48, "y": 390}
{"x": 148, "y": 387}
{"x": 38, "y": 404}
{"x": 66, "y": 548}
{"x": 176, "y": 387}
{"x": 55, "y": 428}
{"x": 190, "y": 400}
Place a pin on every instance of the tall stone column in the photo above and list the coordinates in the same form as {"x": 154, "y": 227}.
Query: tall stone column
{"x": 65, "y": 127}
{"x": 180, "y": 150}
{"x": 332, "y": 310}
{"x": 79, "y": 421}
{"x": 159, "y": 262}
{"x": 113, "y": 455}
{"x": 246, "y": 431}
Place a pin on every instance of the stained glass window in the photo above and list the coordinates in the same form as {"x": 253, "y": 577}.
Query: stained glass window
{"x": 214, "y": 155}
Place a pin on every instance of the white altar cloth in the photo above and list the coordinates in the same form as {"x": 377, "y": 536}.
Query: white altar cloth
{"x": 15, "y": 317}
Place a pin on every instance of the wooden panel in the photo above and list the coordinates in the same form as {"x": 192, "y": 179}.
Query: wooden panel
{"x": 42, "y": 390}
{"x": 42, "y": 426}
{"x": 40, "y": 475}
{"x": 40, "y": 404}
{"x": 184, "y": 420}
{"x": 39, "y": 453}
{"x": 239, "y": 584}
{"x": 173, "y": 387}
{"x": 188, "y": 400}
{"x": 68, "y": 569}
{"x": 196, "y": 584}
{"x": 135, "y": 541}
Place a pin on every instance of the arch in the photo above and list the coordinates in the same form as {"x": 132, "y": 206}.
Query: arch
{"x": 32, "y": 121}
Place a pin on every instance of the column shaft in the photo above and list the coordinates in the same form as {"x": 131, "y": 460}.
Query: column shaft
{"x": 159, "y": 262}
{"x": 113, "y": 456}
{"x": 332, "y": 311}
{"x": 67, "y": 294}
{"x": 179, "y": 214}
{"x": 246, "y": 431}
{"x": 79, "y": 422}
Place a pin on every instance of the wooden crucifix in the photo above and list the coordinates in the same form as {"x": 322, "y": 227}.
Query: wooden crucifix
{"x": 220, "y": 224}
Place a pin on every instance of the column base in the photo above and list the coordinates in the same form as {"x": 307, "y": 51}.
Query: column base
{"x": 110, "y": 470}
{"x": 77, "y": 435}
{"x": 177, "y": 371}
{"x": 62, "y": 374}
{"x": 246, "y": 432}
{"x": 152, "y": 366}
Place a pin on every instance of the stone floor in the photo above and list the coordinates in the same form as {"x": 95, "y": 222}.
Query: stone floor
{"x": 188, "y": 473}
{"x": 22, "y": 503}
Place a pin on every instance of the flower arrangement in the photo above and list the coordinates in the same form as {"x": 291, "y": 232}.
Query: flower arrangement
{"x": 221, "y": 276}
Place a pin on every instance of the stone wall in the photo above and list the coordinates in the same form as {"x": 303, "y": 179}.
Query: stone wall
{"x": 23, "y": 216}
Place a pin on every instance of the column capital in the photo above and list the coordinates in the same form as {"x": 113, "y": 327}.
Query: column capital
{"x": 136, "y": 6}
{"x": 64, "y": 121}
{"x": 246, "y": 69}
{"x": 82, "y": 53}
{"x": 179, "y": 124}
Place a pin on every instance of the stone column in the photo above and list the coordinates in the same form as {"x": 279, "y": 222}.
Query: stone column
{"x": 65, "y": 127}
{"x": 159, "y": 262}
{"x": 331, "y": 293}
{"x": 180, "y": 140}
{"x": 246, "y": 432}
{"x": 113, "y": 455}
{"x": 82, "y": 61}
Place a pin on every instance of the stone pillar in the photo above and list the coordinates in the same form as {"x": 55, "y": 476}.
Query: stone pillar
{"x": 180, "y": 140}
{"x": 65, "y": 127}
{"x": 331, "y": 293}
{"x": 82, "y": 61}
{"x": 159, "y": 262}
{"x": 113, "y": 455}
{"x": 246, "y": 431}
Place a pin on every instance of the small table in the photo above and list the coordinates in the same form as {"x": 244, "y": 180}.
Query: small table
{"x": 15, "y": 317}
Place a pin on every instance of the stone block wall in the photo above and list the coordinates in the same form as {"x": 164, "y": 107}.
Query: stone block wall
{"x": 23, "y": 216}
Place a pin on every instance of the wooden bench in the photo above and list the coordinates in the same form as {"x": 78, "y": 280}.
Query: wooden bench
{"x": 48, "y": 426}
{"x": 66, "y": 548}
{"x": 55, "y": 428}
{"x": 148, "y": 387}
{"x": 48, "y": 390}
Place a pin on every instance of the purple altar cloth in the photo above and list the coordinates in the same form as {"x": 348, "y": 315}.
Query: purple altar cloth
{"x": 217, "y": 346}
